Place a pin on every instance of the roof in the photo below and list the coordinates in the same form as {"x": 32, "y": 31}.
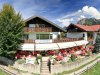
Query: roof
{"x": 46, "y": 21}
{"x": 87, "y": 28}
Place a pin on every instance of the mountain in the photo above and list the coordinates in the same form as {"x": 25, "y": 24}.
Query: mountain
{"x": 89, "y": 21}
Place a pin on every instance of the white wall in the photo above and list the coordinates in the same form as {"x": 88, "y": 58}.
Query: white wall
{"x": 43, "y": 41}
{"x": 33, "y": 37}
{"x": 75, "y": 35}
{"x": 94, "y": 37}
{"x": 55, "y": 34}
{"x": 86, "y": 37}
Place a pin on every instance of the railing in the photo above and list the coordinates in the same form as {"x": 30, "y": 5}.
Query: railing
{"x": 90, "y": 66}
{"x": 55, "y": 40}
{"x": 28, "y": 41}
{"x": 7, "y": 71}
{"x": 66, "y": 40}
{"x": 38, "y": 29}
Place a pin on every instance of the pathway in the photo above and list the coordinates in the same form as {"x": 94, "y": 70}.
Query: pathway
{"x": 44, "y": 67}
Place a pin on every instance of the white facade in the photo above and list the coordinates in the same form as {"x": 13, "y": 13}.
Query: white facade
{"x": 32, "y": 36}
{"x": 85, "y": 36}
{"x": 94, "y": 36}
{"x": 55, "y": 34}
{"x": 77, "y": 35}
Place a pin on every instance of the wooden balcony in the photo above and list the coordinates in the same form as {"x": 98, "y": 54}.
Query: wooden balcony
{"x": 55, "y": 40}
{"x": 38, "y": 29}
{"x": 28, "y": 41}
{"x": 66, "y": 40}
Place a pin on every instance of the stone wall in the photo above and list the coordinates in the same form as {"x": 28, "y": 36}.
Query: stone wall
{"x": 69, "y": 66}
{"x": 31, "y": 68}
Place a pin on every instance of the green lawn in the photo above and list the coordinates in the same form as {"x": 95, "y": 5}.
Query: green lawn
{"x": 3, "y": 73}
{"x": 93, "y": 71}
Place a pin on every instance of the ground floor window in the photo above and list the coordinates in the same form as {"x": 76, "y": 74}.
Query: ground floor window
{"x": 25, "y": 37}
{"x": 44, "y": 36}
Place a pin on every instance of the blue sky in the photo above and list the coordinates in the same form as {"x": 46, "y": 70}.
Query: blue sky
{"x": 61, "y": 12}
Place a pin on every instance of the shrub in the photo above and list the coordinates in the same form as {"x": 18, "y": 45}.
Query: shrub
{"x": 73, "y": 57}
{"x": 89, "y": 53}
{"x": 21, "y": 61}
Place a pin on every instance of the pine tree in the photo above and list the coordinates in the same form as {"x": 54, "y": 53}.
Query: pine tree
{"x": 11, "y": 31}
{"x": 97, "y": 44}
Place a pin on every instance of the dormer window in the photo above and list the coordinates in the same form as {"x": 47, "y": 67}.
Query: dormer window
{"x": 42, "y": 25}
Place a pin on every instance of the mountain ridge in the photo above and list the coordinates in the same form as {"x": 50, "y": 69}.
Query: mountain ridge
{"x": 89, "y": 21}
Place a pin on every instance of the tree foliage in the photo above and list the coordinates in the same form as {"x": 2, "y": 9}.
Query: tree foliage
{"x": 11, "y": 31}
{"x": 97, "y": 44}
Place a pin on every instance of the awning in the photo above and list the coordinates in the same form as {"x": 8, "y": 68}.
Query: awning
{"x": 66, "y": 45}
{"x": 29, "y": 47}
{"x": 52, "y": 46}
{"x": 82, "y": 42}
{"x": 49, "y": 46}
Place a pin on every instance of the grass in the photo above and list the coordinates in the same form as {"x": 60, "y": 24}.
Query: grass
{"x": 3, "y": 73}
{"x": 94, "y": 70}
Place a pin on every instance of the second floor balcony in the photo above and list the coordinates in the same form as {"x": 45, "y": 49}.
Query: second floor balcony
{"x": 38, "y": 29}
{"x": 53, "y": 41}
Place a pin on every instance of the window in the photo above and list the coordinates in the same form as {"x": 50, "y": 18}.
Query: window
{"x": 31, "y": 25}
{"x": 42, "y": 25}
{"x": 44, "y": 36}
{"x": 25, "y": 37}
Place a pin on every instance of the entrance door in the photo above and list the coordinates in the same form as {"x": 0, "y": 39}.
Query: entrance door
{"x": 43, "y": 53}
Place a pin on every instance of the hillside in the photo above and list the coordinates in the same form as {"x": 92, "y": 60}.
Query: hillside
{"x": 89, "y": 21}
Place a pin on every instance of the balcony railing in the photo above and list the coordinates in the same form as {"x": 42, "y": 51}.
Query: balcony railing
{"x": 38, "y": 29}
{"x": 55, "y": 40}
{"x": 28, "y": 41}
{"x": 66, "y": 40}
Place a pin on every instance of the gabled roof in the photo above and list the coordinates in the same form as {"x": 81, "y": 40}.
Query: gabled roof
{"x": 87, "y": 28}
{"x": 46, "y": 21}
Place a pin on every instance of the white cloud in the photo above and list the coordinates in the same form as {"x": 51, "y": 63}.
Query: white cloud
{"x": 65, "y": 22}
{"x": 85, "y": 12}
{"x": 81, "y": 17}
{"x": 91, "y": 11}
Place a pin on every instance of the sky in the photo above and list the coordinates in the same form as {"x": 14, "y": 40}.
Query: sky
{"x": 61, "y": 12}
